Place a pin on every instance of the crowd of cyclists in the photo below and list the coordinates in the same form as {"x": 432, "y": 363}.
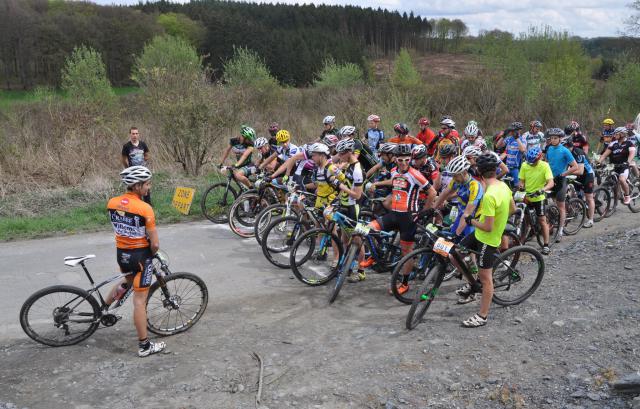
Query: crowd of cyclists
{"x": 460, "y": 178}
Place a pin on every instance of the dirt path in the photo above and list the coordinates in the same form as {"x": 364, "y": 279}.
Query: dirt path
{"x": 559, "y": 349}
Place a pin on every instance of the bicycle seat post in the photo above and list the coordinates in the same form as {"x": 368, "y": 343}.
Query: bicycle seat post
{"x": 86, "y": 271}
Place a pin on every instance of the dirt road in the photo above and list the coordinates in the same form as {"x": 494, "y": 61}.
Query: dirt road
{"x": 559, "y": 349}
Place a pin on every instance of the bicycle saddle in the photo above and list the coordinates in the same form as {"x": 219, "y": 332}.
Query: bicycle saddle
{"x": 74, "y": 261}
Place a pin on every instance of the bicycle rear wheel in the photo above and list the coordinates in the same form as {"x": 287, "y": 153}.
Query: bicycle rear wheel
{"x": 243, "y": 212}
{"x": 424, "y": 296}
{"x": 314, "y": 257}
{"x": 517, "y": 273}
{"x": 602, "y": 199}
{"x": 634, "y": 192}
{"x": 343, "y": 272}
{"x": 216, "y": 201}
{"x": 417, "y": 263}
{"x": 553, "y": 221}
{"x": 60, "y": 315}
{"x": 278, "y": 238}
{"x": 177, "y": 304}
{"x": 576, "y": 215}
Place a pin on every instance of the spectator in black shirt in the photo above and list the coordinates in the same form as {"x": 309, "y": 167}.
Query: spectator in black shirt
{"x": 136, "y": 153}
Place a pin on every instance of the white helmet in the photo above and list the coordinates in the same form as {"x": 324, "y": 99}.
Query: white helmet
{"x": 329, "y": 119}
{"x": 135, "y": 174}
{"x": 472, "y": 151}
{"x": 448, "y": 122}
{"x": 471, "y": 129}
{"x": 458, "y": 165}
{"x": 260, "y": 142}
{"x": 330, "y": 140}
{"x": 347, "y": 131}
{"x": 320, "y": 148}
{"x": 387, "y": 147}
{"x": 621, "y": 129}
{"x": 374, "y": 118}
{"x": 419, "y": 151}
{"x": 345, "y": 145}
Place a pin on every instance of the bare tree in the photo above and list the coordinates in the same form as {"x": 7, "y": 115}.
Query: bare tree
{"x": 633, "y": 22}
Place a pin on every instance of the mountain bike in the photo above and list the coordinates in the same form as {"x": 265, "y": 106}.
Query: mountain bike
{"x": 246, "y": 207}
{"x": 274, "y": 211}
{"x": 610, "y": 181}
{"x": 601, "y": 198}
{"x": 218, "y": 197}
{"x": 526, "y": 222}
{"x": 517, "y": 273}
{"x": 63, "y": 315}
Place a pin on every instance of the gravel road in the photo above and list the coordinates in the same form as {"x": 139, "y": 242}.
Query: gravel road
{"x": 560, "y": 349}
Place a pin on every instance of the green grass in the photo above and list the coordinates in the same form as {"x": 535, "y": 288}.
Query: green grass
{"x": 93, "y": 216}
{"x": 12, "y": 97}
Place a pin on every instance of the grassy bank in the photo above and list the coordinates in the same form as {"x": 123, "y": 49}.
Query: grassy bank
{"x": 89, "y": 214}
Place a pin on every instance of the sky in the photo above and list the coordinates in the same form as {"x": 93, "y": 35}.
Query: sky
{"x": 585, "y": 18}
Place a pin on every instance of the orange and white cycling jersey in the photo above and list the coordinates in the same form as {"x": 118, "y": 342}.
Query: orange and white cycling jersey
{"x": 131, "y": 219}
{"x": 406, "y": 186}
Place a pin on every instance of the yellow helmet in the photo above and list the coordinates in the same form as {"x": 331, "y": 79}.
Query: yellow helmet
{"x": 608, "y": 121}
{"x": 283, "y": 136}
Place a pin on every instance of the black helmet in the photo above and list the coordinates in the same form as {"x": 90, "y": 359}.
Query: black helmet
{"x": 516, "y": 126}
{"x": 568, "y": 130}
{"x": 448, "y": 150}
{"x": 487, "y": 162}
{"x": 402, "y": 150}
{"x": 401, "y": 128}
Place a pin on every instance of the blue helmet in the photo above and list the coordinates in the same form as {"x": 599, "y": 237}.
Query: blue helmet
{"x": 534, "y": 154}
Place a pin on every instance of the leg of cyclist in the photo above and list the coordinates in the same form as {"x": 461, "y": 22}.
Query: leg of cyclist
{"x": 622, "y": 180}
{"x": 240, "y": 177}
{"x": 561, "y": 194}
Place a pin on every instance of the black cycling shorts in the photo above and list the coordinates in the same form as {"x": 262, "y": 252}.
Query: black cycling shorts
{"x": 400, "y": 221}
{"x": 137, "y": 262}
{"x": 587, "y": 181}
{"x": 560, "y": 188}
{"x": 486, "y": 258}
{"x": 538, "y": 207}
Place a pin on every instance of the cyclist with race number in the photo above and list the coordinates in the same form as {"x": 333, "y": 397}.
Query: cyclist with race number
{"x": 137, "y": 241}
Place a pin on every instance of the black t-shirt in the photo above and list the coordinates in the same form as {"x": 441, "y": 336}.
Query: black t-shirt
{"x": 620, "y": 151}
{"x": 135, "y": 154}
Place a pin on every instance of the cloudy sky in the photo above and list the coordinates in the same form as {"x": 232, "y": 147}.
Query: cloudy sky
{"x": 586, "y": 18}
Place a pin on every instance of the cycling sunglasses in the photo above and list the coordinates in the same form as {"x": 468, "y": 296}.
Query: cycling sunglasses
{"x": 403, "y": 160}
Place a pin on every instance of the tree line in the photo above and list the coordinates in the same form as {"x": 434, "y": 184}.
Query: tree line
{"x": 294, "y": 40}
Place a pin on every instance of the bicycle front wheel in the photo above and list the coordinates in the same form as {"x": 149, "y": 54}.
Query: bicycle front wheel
{"x": 517, "y": 273}
{"x": 243, "y": 212}
{"x": 216, "y": 201}
{"x": 278, "y": 238}
{"x": 576, "y": 215}
{"x": 315, "y": 256}
{"x": 424, "y": 295}
{"x": 414, "y": 266}
{"x": 343, "y": 272}
{"x": 264, "y": 218}
{"x": 60, "y": 315}
{"x": 602, "y": 199}
{"x": 176, "y": 303}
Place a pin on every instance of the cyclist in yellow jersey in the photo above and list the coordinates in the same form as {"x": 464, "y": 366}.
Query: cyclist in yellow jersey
{"x": 536, "y": 177}
{"x": 495, "y": 208}
{"x": 325, "y": 191}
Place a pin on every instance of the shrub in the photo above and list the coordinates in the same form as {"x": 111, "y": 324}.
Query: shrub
{"x": 624, "y": 88}
{"x": 84, "y": 77}
{"x": 247, "y": 69}
{"x": 334, "y": 75}
{"x": 180, "y": 25}
{"x": 405, "y": 74}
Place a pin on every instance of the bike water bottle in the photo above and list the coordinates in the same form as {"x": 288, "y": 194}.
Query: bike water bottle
{"x": 121, "y": 291}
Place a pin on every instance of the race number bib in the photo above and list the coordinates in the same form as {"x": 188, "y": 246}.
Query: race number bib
{"x": 442, "y": 247}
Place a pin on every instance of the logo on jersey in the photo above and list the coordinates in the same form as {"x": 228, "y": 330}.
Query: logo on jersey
{"x": 124, "y": 201}
{"x": 400, "y": 183}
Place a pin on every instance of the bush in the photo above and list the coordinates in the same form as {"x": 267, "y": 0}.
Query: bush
{"x": 624, "y": 88}
{"x": 247, "y": 69}
{"x": 335, "y": 75}
{"x": 179, "y": 25}
{"x": 84, "y": 77}
{"x": 405, "y": 74}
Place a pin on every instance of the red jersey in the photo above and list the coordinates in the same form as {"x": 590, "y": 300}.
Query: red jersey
{"x": 406, "y": 188}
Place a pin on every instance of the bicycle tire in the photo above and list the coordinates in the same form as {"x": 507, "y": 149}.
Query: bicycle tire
{"x": 175, "y": 283}
{"x": 215, "y": 202}
{"x": 425, "y": 255}
{"x": 511, "y": 272}
{"x": 296, "y": 267}
{"x": 634, "y": 192}
{"x": 343, "y": 272}
{"x": 242, "y": 222}
{"x": 575, "y": 217}
{"x": 269, "y": 250}
{"x": 429, "y": 288}
{"x": 613, "y": 192}
{"x": 602, "y": 200}
{"x": 264, "y": 218}
{"x": 553, "y": 221}
{"x": 78, "y": 294}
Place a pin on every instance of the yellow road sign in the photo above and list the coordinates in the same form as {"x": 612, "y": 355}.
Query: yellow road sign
{"x": 182, "y": 199}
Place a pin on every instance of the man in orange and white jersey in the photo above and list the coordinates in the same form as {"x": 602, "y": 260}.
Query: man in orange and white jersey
{"x": 134, "y": 224}
{"x": 406, "y": 183}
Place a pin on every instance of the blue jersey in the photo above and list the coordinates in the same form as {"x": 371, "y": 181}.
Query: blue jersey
{"x": 374, "y": 138}
{"x": 559, "y": 158}
{"x": 469, "y": 192}
{"x": 580, "y": 157}
{"x": 513, "y": 160}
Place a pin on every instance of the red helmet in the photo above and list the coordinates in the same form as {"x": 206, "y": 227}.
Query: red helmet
{"x": 424, "y": 121}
